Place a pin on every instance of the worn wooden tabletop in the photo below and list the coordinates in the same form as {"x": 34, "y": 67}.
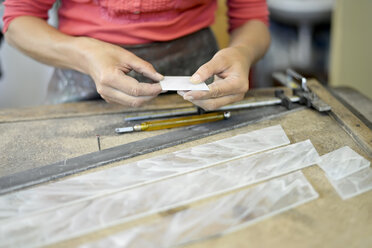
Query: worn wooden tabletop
{"x": 327, "y": 221}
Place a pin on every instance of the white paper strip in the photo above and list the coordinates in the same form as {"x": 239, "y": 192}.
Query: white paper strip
{"x": 224, "y": 215}
{"x": 98, "y": 213}
{"x": 181, "y": 83}
{"x": 342, "y": 162}
{"x": 119, "y": 178}
{"x": 354, "y": 184}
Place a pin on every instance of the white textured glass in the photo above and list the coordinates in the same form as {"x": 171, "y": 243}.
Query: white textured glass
{"x": 94, "y": 214}
{"x": 354, "y": 184}
{"x": 181, "y": 83}
{"x": 217, "y": 217}
{"x": 138, "y": 173}
{"x": 342, "y": 162}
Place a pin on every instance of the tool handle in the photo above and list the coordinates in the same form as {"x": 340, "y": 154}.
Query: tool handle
{"x": 183, "y": 121}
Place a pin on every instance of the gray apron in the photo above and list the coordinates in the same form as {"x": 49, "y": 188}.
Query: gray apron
{"x": 180, "y": 57}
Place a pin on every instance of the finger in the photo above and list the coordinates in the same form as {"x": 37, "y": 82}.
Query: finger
{"x": 182, "y": 92}
{"x": 220, "y": 88}
{"x": 132, "y": 87}
{"x": 113, "y": 95}
{"x": 212, "y": 67}
{"x": 144, "y": 67}
{"x": 213, "y": 104}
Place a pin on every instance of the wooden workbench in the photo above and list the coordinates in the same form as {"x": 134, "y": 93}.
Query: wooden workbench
{"x": 29, "y": 139}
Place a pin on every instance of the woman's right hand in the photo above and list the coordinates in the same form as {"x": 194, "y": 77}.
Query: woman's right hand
{"x": 109, "y": 64}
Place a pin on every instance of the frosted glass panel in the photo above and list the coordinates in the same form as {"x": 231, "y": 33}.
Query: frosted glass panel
{"x": 342, "y": 162}
{"x": 224, "y": 215}
{"x": 93, "y": 214}
{"x": 138, "y": 173}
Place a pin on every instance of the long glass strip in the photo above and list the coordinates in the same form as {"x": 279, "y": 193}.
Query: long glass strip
{"x": 354, "y": 184}
{"x": 94, "y": 214}
{"x": 342, "y": 162}
{"x": 138, "y": 173}
{"x": 217, "y": 217}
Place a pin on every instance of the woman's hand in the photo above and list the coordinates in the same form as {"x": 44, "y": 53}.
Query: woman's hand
{"x": 231, "y": 67}
{"x": 248, "y": 44}
{"x": 108, "y": 65}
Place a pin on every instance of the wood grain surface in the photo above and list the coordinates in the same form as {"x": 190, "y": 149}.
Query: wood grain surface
{"x": 325, "y": 222}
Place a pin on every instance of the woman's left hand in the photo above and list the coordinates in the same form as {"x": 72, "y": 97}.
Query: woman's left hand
{"x": 231, "y": 66}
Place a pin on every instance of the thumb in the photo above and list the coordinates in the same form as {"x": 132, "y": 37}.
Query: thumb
{"x": 206, "y": 71}
{"x": 145, "y": 68}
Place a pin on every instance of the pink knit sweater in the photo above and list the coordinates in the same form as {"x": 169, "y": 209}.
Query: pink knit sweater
{"x": 136, "y": 21}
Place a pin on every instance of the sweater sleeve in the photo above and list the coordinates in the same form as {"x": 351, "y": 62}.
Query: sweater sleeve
{"x": 241, "y": 11}
{"x": 16, "y": 8}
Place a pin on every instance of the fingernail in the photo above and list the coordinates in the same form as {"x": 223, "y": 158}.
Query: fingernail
{"x": 188, "y": 98}
{"x": 195, "y": 79}
{"x": 181, "y": 93}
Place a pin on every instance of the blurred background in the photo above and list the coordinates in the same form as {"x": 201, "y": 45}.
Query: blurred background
{"x": 326, "y": 39}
